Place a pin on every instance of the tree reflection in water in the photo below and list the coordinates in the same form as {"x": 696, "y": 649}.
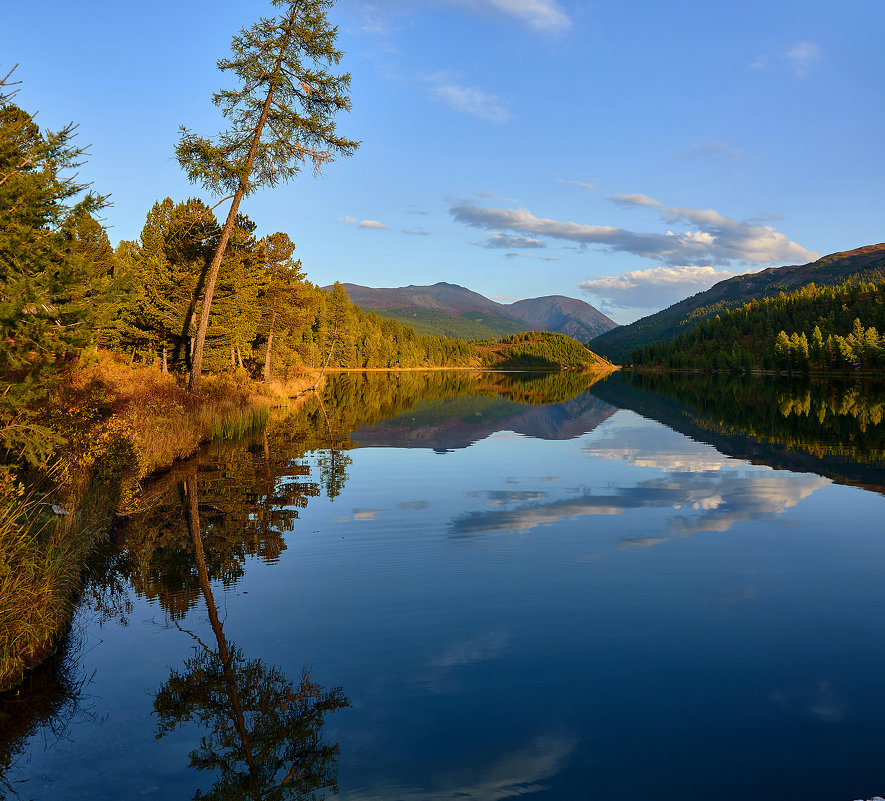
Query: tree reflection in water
{"x": 261, "y": 732}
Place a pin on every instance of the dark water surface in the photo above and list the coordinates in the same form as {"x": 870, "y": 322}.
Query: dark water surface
{"x": 475, "y": 586}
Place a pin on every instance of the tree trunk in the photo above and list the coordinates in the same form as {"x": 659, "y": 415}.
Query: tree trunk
{"x": 273, "y": 320}
{"x": 212, "y": 277}
{"x": 193, "y": 517}
{"x": 165, "y": 360}
{"x": 239, "y": 356}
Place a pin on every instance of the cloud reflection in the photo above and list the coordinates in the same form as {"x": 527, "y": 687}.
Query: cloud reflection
{"x": 821, "y": 702}
{"x": 508, "y": 497}
{"x": 516, "y": 774}
{"x": 478, "y": 649}
{"x": 357, "y": 515}
{"x": 710, "y": 500}
{"x": 657, "y": 447}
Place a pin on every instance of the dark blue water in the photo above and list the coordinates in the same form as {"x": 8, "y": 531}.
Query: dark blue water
{"x": 615, "y": 611}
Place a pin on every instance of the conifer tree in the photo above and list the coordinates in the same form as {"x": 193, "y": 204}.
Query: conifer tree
{"x": 177, "y": 242}
{"x": 50, "y": 294}
{"x": 284, "y": 304}
{"x": 281, "y": 118}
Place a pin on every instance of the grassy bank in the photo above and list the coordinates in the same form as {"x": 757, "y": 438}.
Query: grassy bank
{"x": 114, "y": 424}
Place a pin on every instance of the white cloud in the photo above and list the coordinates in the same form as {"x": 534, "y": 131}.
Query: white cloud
{"x": 493, "y": 196}
{"x": 581, "y": 184}
{"x": 530, "y": 256}
{"x": 713, "y": 238}
{"x": 656, "y": 287}
{"x": 802, "y": 56}
{"x": 467, "y": 99}
{"x": 546, "y": 16}
{"x": 634, "y": 200}
{"x": 372, "y": 18}
{"x": 509, "y": 242}
{"x": 372, "y": 224}
{"x": 759, "y": 63}
{"x": 414, "y": 233}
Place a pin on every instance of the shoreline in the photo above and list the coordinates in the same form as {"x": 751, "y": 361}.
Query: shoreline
{"x": 48, "y": 536}
{"x": 149, "y": 424}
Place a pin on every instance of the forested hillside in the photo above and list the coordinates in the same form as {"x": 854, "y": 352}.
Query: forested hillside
{"x": 470, "y": 325}
{"x": 863, "y": 264}
{"x": 834, "y": 328}
{"x": 539, "y": 350}
{"x": 452, "y": 310}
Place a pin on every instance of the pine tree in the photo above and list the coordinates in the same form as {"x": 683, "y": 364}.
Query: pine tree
{"x": 50, "y": 294}
{"x": 285, "y": 304}
{"x": 281, "y": 118}
{"x": 177, "y": 242}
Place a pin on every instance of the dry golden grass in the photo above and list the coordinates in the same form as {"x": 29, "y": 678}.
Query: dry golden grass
{"x": 121, "y": 423}
{"x": 39, "y": 574}
{"x": 164, "y": 423}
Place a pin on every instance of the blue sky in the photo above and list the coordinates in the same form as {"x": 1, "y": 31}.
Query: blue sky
{"x": 628, "y": 153}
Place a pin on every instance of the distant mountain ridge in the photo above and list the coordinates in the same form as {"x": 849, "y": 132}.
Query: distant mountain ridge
{"x": 427, "y": 307}
{"x": 862, "y": 263}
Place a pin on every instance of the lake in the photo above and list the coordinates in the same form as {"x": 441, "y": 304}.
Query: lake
{"x": 489, "y": 586}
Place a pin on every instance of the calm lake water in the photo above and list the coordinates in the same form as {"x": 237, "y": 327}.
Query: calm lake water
{"x": 480, "y": 586}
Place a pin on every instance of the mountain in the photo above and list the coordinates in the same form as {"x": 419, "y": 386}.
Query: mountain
{"x": 864, "y": 263}
{"x": 455, "y": 311}
{"x": 563, "y": 315}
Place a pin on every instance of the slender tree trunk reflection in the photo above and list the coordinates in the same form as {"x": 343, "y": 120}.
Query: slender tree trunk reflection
{"x": 261, "y": 733}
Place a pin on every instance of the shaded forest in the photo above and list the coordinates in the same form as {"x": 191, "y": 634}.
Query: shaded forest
{"x": 816, "y": 329}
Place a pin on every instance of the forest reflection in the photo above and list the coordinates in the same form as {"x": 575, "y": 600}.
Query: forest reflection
{"x": 830, "y": 427}
{"x": 260, "y": 731}
{"x": 51, "y": 700}
{"x": 250, "y": 492}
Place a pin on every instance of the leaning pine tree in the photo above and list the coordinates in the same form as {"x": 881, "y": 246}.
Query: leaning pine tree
{"x": 281, "y": 118}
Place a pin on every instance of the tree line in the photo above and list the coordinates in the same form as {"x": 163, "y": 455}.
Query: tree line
{"x": 66, "y": 291}
{"x": 813, "y": 329}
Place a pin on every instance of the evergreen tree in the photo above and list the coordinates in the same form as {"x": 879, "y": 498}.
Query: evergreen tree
{"x": 51, "y": 295}
{"x": 282, "y": 117}
{"x": 284, "y": 304}
{"x": 177, "y": 242}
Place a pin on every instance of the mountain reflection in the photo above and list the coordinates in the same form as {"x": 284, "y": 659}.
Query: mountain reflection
{"x": 260, "y": 732}
{"x": 548, "y": 406}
